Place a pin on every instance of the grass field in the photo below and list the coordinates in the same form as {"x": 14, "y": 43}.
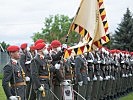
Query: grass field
{"x": 3, "y": 97}
{"x": 2, "y": 94}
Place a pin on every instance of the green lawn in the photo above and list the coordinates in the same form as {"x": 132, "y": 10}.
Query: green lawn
{"x": 2, "y": 94}
{"x": 128, "y": 97}
{"x": 3, "y": 97}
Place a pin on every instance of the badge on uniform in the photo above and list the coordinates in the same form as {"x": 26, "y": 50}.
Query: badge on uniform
{"x": 18, "y": 74}
{"x": 43, "y": 67}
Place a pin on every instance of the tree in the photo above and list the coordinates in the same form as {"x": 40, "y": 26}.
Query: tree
{"x": 56, "y": 27}
{"x": 4, "y": 45}
{"x": 123, "y": 37}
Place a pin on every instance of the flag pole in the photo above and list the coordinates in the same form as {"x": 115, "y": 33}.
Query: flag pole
{"x": 70, "y": 29}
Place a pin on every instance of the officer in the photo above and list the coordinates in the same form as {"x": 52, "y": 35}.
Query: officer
{"x": 25, "y": 61}
{"x": 40, "y": 70}
{"x": 81, "y": 69}
{"x": 14, "y": 75}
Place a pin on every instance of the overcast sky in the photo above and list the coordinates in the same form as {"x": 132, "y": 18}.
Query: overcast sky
{"x": 19, "y": 19}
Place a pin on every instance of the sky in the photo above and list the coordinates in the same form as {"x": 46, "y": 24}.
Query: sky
{"x": 19, "y": 19}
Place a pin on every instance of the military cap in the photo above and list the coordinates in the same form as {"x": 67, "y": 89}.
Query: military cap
{"x": 13, "y": 48}
{"x": 55, "y": 44}
{"x": 32, "y": 48}
{"x": 39, "y": 41}
{"x": 23, "y": 46}
{"x": 40, "y": 46}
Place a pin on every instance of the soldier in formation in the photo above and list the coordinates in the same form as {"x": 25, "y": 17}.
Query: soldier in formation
{"x": 42, "y": 73}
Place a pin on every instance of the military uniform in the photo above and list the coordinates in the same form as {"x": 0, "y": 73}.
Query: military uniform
{"x": 25, "y": 61}
{"x": 58, "y": 75}
{"x": 96, "y": 76}
{"x": 90, "y": 59}
{"x": 81, "y": 75}
{"x": 41, "y": 76}
{"x": 40, "y": 70}
{"x": 14, "y": 75}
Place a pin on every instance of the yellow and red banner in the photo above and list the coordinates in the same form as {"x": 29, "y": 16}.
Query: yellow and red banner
{"x": 91, "y": 23}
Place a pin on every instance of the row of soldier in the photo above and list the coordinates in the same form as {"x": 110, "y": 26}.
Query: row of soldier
{"x": 43, "y": 74}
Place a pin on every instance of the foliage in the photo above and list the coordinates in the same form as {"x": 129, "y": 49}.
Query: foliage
{"x": 56, "y": 27}
{"x": 4, "y": 45}
{"x": 123, "y": 37}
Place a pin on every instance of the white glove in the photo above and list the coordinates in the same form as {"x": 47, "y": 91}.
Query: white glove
{"x": 109, "y": 77}
{"x": 57, "y": 66}
{"x": 99, "y": 62}
{"x": 106, "y": 78}
{"x": 113, "y": 78}
{"x": 94, "y": 78}
{"x": 27, "y": 78}
{"x": 101, "y": 78}
{"x": 88, "y": 78}
{"x": 123, "y": 75}
{"x": 80, "y": 83}
{"x": 73, "y": 63}
{"x": 41, "y": 88}
{"x": 27, "y": 62}
{"x": 90, "y": 61}
{"x": 65, "y": 83}
{"x": 122, "y": 62}
{"x": 130, "y": 74}
{"x": 13, "y": 98}
{"x": 126, "y": 75}
{"x": 64, "y": 46}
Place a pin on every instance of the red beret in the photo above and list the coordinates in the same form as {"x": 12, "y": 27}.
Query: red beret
{"x": 40, "y": 46}
{"x": 39, "y": 41}
{"x": 32, "y": 48}
{"x": 23, "y": 46}
{"x": 13, "y": 48}
{"x": 55, "y": 44}
{"x": 131, "y": 53}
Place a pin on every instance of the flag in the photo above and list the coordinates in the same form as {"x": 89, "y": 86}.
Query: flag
{"x": 91, "y": 23}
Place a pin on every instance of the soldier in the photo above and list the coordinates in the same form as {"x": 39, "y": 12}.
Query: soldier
{"x": 90, "y": 59}
{"x": 96, "y": 76}
{"x": 14, "y": 75}
{"x": 32, "y": 94}
{"x": 58, "y": 75}
{"x": 40, "y": 70}
{"x": 81, "y": 69}
{"x": 25, "y": 61}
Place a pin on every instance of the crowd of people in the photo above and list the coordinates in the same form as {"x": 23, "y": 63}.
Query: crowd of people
{"x": 42, "y": 73}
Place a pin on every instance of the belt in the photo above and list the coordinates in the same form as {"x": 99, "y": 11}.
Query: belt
{"x": 44, "y": 76}
{"x": 82, "y": 70}
{"x": 68, "y": 76}
{"x": 18, "y": 84}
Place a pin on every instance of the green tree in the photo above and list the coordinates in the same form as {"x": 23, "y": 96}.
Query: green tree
{"x": 56, "y": 27}
{"x": 123, "y": 37}
{"x": 4, "y": 45}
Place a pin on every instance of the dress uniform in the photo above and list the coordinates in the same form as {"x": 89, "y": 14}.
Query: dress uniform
{"x": 40, "y": 71}
{"x": 81, "y": 69}
{"x": 15, "y": 76}
{"x": 96, "y": 76}
{"x": 25, "y": 61}
{"x": 32, "y": 94}
{"x": 90, "y": 59}
{"x": 57, "y": 75}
